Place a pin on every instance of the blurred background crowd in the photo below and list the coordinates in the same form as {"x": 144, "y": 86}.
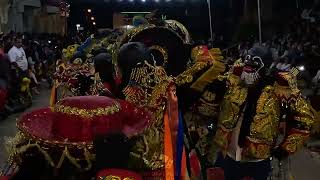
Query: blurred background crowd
{"x": 26, "y": 62}
{"x": 296, "y": 45}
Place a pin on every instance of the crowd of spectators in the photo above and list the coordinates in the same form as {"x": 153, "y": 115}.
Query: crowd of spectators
{"x": 296, "y": 46}
{"x": 25, "y": 63}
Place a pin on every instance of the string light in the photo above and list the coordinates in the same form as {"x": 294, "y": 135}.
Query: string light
{"x": 89, "y": 10}
{"x": 94, "y": 23}
{"x": 92, "y": 18}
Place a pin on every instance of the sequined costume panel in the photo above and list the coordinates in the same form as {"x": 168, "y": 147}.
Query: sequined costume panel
{"x": 264, "y": 128}
{"x": 300, "y": 125}
{"x": 152, "y": 86}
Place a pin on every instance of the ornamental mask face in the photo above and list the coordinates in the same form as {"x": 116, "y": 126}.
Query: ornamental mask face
{"x": 252, "y": 66}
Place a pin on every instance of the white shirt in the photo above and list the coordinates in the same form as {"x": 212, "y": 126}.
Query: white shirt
{"x": 17, "y": 55}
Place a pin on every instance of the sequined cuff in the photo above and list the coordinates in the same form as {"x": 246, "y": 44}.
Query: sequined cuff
{"x": 295, "y": 140}
{"x": 256, "y": 149}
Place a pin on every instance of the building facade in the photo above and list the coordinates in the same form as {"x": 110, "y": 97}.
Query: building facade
{"x": 27, "y": 15}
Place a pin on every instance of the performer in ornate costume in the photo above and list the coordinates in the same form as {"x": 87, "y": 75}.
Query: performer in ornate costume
{"x": 200, "y": 93}
{"x": 168, "y": 44}
{"x": 252, "y": 109}
{"x": 84, "y": 65}
{"x": 159, "y": 151}
{"x": 63, "y": 135}
{"x": 104, "y": 69}
{"x": 149, "y": 87}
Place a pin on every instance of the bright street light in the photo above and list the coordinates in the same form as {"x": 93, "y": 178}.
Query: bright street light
{"x": 92, "y": 18}
{"x": 89, "y": 10}
{"x": 301, "y": 68}
{"x": 94, "y": 23}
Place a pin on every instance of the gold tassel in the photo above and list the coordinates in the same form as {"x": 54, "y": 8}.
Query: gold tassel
{"x": 23, "y": 149}
{"x": 72, "y": 159}
{"x": 62, "y": 158}
{"x": 88, "y": 159}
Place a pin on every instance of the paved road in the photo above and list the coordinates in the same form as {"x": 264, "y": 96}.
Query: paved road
{"x": 303, "y": 165}
{"x": 8, "y": 126}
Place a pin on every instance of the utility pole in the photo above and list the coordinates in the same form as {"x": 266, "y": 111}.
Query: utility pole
{"x": 259, "y": 22}
{"x": 210, "y": 19}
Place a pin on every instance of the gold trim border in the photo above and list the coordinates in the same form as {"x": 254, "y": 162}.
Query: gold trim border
{"x": 87, "y": 113}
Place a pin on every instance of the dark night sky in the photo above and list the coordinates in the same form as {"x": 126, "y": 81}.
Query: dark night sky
{"x": 192, "y": 13}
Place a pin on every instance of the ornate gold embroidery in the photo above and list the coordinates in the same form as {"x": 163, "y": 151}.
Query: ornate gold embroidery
{"x": 187, "y": 76}
{"x": 203, "y": 58}
{"x": 209, "y": 76}
{"x": 112, "y": 178}
{"x": 87, "y": 113}
{"x": 178, "y": 26}
{"x": 256, "y": 149}
{"x": 230, "y": 106}
{"x": 163, "y": 52}
{"x": 295, "y": 140}
{"x": 128, "y": 178}
{"x": 200, "y": 51}
{"x": 131, "y": 34}
{"x": 85, "y": 149}
{"x": 152, "y": 84}
{"x": 266, "y": 121}
{"x": 149, "y": 148}
{"x": 304, "y": 113}
{"x": 209, "y": 110}
{"x": 283, "y": 92}
{"x": 206, "y": 105}
{"x": 209, "y": 96}
{"x": 222, "y": 137}
{"x": 291, "y": 78}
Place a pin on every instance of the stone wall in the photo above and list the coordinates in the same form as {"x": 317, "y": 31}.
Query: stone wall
{"x": 49, "y": 23}
{"x": 24, "y": 17}
{"x": 4, "y": 9}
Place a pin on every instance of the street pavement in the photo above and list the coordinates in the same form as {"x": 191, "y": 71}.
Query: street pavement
{"x": 304, "y": 166}
{"x": 8, "y": 126}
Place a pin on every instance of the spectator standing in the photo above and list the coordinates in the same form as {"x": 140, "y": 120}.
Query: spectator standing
{"x": 19, "y": 70}
{"x": 18, "y": 57}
